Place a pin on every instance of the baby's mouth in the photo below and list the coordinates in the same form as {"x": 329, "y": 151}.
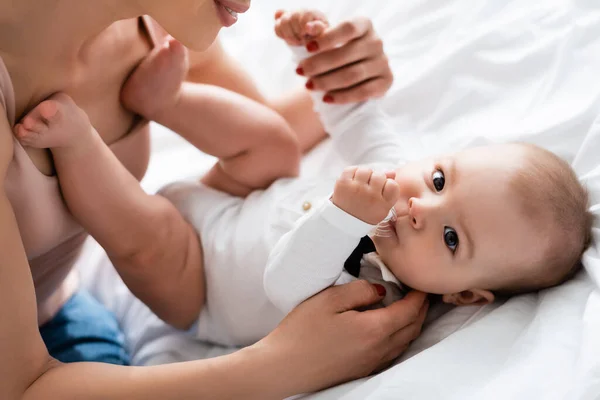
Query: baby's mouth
{"x": 393, "y": 227}
{"x": 387, "y": 227}
{"x": 393, "y": 221}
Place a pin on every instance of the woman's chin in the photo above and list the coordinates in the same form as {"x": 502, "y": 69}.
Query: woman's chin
{"x": 201, "y": 42}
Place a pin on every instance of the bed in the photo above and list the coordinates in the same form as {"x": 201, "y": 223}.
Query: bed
{"x": 466, "y": 73}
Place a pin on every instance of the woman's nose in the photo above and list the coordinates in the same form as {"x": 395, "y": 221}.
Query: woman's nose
{"x": 416, "y": 213}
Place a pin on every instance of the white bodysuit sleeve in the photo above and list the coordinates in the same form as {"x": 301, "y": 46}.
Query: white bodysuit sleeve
{"x": 311, "y": 256}
{"x": 362, "y": 133}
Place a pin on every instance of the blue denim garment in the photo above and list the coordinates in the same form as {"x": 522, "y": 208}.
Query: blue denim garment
{"x": 84, "y": 330}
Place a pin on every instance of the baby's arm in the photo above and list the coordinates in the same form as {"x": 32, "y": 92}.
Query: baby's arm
{"x": 254, "y": 144}
{"x": 311, "y": 257}
{"x": 362, "y": 133}
{"x": 155, "y": 251}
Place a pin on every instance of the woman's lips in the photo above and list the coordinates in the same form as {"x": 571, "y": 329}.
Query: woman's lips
{"x": 235, "y": 6}
{"x": 228, "y": 11}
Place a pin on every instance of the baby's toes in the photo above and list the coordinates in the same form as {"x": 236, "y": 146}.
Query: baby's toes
{"x": 171, "y": 56}
{"x": 177, "y": 51}
{"x": 48, "y": 110}
{"x": 33, "y": 123}
{"x": 28, "y": 137}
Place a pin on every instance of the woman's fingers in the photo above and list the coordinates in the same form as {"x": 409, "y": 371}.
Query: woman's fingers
{"x": 350, "y": 53}
{"x": 350, "y": 65}
{"x": 349, "y": 76}
{"x": 403, "y": 314}
{"x": 356, "y": 294}
{"x": 412, "y": 331}
{"x": 365, "y": 90}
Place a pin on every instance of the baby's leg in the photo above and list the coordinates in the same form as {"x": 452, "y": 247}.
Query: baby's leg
{"x": 56, "y": 123}
{"x": 253, "y": 143}
{"x": 156, "y": 252}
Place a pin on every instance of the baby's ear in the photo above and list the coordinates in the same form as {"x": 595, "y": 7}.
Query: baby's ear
{"x": 470, "y": 297}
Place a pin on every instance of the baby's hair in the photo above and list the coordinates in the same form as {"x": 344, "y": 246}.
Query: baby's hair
{"x": 551, "y": 197}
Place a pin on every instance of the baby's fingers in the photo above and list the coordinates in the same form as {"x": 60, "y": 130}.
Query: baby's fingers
{"x": 348, "y": 173}
{"x": 391, "y": 191}
{"x": 363, "y": 175}
{"x": 313, "y": 16}
{"x": 284, "y": 30}
{"x": 391, "y": 174}
{"x": 314, "y": 28}
{"x": 377, "y": 182}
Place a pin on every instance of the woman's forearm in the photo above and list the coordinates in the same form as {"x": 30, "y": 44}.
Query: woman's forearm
{"x": 251, "y": 373}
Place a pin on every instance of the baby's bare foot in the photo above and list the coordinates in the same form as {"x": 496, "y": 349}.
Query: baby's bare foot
{"x": 54, "y": 123}
{"x": 156, "y": 82}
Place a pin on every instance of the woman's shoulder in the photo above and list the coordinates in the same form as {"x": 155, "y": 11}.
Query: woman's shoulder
{"x": 7, "y": 95}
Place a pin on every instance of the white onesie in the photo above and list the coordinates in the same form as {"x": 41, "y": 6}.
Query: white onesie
{"x": 266, "y": 253}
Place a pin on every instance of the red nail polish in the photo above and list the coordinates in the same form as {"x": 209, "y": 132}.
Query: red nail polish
{"x": 328, "y": 99}
{"x": 380, "y": 289}
{"x": 300, "y": 71}
{"x": 312, "y": 46}
{"x": 310, "y": 85}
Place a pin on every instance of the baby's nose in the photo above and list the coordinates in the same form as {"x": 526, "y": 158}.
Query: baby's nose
{"x": 416, "y": 213}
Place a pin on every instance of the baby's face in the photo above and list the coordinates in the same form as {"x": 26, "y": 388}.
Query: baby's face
{"x": 459, "y": 226}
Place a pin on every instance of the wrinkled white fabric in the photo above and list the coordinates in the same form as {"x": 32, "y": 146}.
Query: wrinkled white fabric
{"x": 465, "y": 73}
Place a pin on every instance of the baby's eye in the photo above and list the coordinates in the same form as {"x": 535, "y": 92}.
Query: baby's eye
{"x": 438, "y": 180}
{"x": 451, "y": 239}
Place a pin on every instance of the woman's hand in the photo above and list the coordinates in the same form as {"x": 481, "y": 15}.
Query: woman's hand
{"x": 349, "y": 63}
{"x": 324, "y": 341}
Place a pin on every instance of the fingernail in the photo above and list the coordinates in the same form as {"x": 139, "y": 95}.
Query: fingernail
{"x": 380, "y": 289}
{"x": 328, "y": 99}
{"x": 300, "y": 71}
{"x": 312, "y": 46}
{"x": 310, "y": 85}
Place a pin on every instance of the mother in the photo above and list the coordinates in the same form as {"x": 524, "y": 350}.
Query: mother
{"x": 78, "y": 48}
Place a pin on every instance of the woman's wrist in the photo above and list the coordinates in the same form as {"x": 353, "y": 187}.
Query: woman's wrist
{"x": 267, "y": 372}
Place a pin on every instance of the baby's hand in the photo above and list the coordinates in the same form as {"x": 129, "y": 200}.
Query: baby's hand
{"x": 299, "y": 27}
{"x": 366, "y": 195}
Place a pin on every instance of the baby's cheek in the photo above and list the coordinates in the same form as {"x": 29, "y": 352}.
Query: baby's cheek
{"x": 419, "y": 271}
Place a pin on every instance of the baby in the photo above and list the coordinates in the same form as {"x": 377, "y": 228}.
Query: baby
{"x": 501, "y": 219}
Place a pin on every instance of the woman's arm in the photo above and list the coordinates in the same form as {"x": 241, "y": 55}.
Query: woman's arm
{"x": 23, "y": 356}
{"x": 318, "y": 345}
{"x": 246, "y": 374}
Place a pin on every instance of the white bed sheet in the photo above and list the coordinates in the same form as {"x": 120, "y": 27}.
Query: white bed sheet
{"x": 466, "y": 72}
